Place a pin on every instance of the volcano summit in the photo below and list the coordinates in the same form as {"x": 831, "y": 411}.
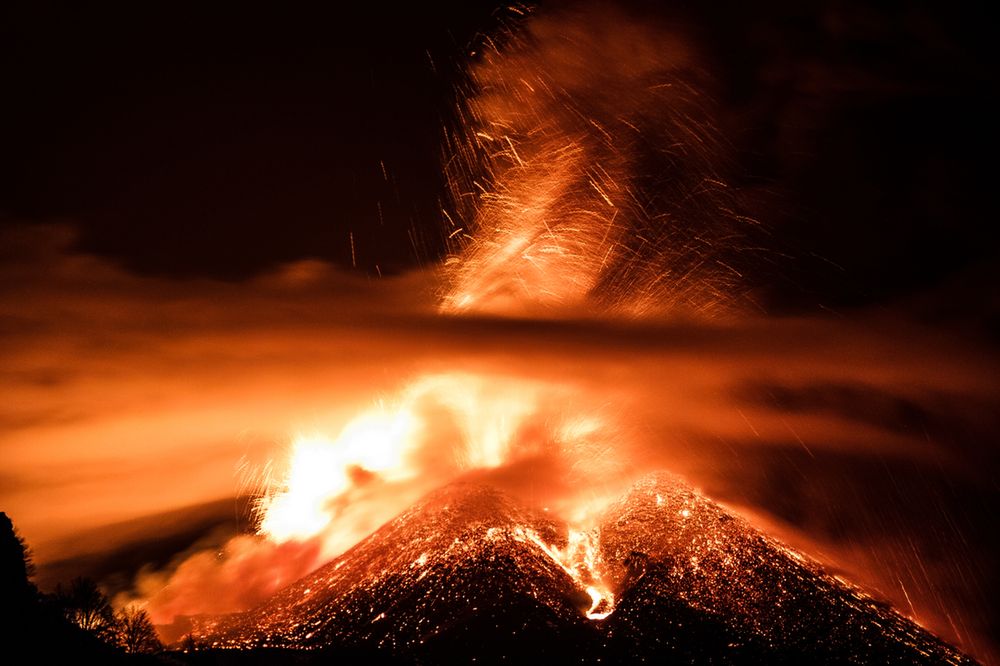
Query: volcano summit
{"x": 469, "y": 573}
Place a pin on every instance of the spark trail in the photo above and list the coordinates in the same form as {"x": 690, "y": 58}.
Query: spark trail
{"x": 586, "y": 175}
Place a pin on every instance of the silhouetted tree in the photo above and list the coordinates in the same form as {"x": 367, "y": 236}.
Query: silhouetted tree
{"x": 87, "y": 607}
{"x": 15, "y": 564}
{"x": 36, "y": 621}
{"x": 135, "y": 631}
{"x": 189, "y": 644}
{"x": 18, "y": 597}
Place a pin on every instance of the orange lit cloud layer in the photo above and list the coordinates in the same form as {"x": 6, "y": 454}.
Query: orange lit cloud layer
{"x": 127, "y": 396}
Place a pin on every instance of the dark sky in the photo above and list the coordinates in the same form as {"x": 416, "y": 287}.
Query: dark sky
{"x": 200, "y": 139}
{"x": 193, "y": 139}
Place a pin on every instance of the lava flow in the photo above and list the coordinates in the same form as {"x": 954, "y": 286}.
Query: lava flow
{"x": 580, "y": 558}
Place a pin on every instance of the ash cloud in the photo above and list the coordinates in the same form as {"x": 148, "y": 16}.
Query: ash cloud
{"x": 110, "y": 371}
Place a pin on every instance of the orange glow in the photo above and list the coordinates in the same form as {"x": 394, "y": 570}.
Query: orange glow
{"x": 322, "y": 469}
{"x": 581, "y": 559}
{"x": 570, "y": 343}
{"x": 470, "y": 424}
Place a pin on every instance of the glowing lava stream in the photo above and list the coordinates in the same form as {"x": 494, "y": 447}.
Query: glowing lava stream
{"x": 581, "y": 560}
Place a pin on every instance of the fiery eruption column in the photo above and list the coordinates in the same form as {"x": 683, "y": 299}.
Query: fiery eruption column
{"x": 574, "y": 189}
{"x": 585, "y": 177}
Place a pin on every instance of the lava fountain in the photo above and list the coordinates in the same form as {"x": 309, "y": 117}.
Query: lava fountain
{"x": 590, "y": 187}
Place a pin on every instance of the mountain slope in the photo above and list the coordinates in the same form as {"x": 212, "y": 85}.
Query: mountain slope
{"x": 674, "y": 553}
{"x": 469, "y": 574}
{"x": 458, "y": 573}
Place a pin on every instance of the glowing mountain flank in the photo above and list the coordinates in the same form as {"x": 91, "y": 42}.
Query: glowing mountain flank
{"x": 469, "y": 573}
{"x": 458, "y": 573}
{"x": 687, "y": 568}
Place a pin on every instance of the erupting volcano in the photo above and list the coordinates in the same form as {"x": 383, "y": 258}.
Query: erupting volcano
{"x": 574, "y": 193}
{"x": 470, "y": 572}
{"x": 588, "y": 441}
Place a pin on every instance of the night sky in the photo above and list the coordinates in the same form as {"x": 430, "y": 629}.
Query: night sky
{"x": 197, "y": 139}
{"x": 191, "y": 140}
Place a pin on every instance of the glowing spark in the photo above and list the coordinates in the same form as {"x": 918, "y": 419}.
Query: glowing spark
{"x": 544, "y": 148}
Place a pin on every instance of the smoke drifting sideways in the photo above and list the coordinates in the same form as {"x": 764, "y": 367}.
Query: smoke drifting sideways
{"x": 590, "y": 326}
{"x": 866, "y": 442}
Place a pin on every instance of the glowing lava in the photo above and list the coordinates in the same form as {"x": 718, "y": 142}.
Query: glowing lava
{"x": 439, "y": 427}
{"x": 322, "y": 469}
{"x": 581, "y": 559}
{"x": 442, "y": 426}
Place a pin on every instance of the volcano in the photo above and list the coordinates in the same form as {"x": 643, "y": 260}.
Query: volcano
{"x": 468, "y": 573}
